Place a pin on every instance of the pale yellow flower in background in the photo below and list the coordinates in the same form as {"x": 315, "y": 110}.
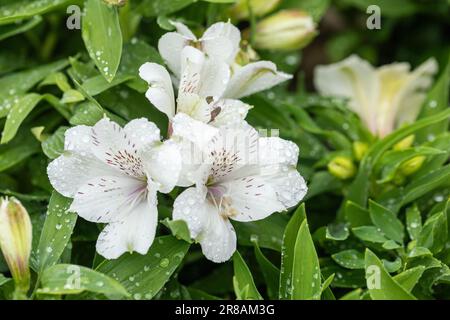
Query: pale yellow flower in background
{"x": 15, "y": 243}
{"x": 385, "y": 97}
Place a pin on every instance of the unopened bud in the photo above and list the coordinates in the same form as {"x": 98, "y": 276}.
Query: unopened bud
{"x": 15, "y": 242}
{"x": 405, "y": 143}
{"x": 342, "y": 167}
{"x": 412, "y": 165}
{"x": 258, "y": 8}
{"x": 118, "y": 3}
{"x": 360, "y": 149}
{"x": 285, "y": 30}
{"x": 246, "y": 54}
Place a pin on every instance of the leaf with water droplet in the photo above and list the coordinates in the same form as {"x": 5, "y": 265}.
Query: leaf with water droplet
{"x": 102, "y": 36}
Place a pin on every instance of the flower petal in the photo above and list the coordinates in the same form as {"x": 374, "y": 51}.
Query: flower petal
{"x": 78, "y": 139}
{"x": 163, "y": 164}
{"x": 135, "y": 232}
{"x": 115, "y": 146}
{"x": 142, "y": 132}
{"x": 202, "y": 75}
{"x": 277, "y": 151}
{"x": 221, "y": 41}
{"x": 252, "y": 198}
{"x": 170, "y": 46}
{"x": 229, "y": 112}
{"x": 355, "y": 79}
{"x": 160, "y": 92}
{"x": 71, "y": 170}
{"x": 289, "y": 186}
{"x": 254, "y": 77}
{"x": 191, "y": 206}
{"x": 218, "y": 241}
{"x": 192, "y": 130}
{"x": 105, "y": 198}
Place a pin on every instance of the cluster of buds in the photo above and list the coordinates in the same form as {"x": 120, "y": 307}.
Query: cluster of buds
{"x": 15, "y": 243}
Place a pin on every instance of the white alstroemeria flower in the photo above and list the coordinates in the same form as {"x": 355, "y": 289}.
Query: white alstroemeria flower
{"x": 384, "y": 98}
{"x": 113, "y": 175}
{"x": 200, "y": 92}
{"x": 241, "y": 177}
{"x": 221, "y": 42}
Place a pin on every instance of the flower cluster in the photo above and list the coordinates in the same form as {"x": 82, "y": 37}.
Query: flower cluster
{"x": 231, "y": 172}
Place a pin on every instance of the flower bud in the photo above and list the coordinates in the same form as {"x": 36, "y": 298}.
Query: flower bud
{"x": 246, "y": 54}
{"x": 259, "y": 8}
{"x": 405, "y": 143}
{"x": 412, "y": 165}
{"x": 360, "y": 149}
{"x": 118, "y": 3}
{"x": 342, "y": 167}
{"x": 285, "y": 30}
{"x": 15, "y": 242}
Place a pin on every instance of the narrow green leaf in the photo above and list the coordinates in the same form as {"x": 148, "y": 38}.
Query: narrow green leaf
{"x": 56, "y": 232}
{"x": 413, "y": 222}
{"x": 306, "y": 277}
{"x": 270, "y": 272}
{"x": 25, "y": 9}
{"x": 179, "y": 229}
{"x": 409, "y": 278}
{"x": 380, "y": 284}
{"x": 7, "y": 31}
{"x": 144, "y": 275}
{"x": 287, "y": 252}
{"x": 53, "y": 146}
{"x": 434, "y": 233}
{"x": 350, "y": 259}
{"x": 102, "y": 36}
{"x": 386, "y": 221}
{"x": 370, "y": 234}
{"x": 244, "y": 285}
{"x": 17, "y": 115}
{"x": 73, "y": 279}
{"x": 357, "y": 215}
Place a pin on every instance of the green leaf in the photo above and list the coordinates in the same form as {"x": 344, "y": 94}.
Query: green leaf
{"x": 13, "y": 86}
{"x": 437, "y": 100}
{"x": 56, "y": 232}
{"x": 144, "y": 275}
{"x": 53, "y": 146}
{"x": 13, "y": 29}
{"x": 270, "y": 272}
{"x": 244, "y": 286}
{"x": 413, "y": 222}
{"x": 102, "y": 36}
{"x": 434, "y": 233}
{"x": 27, "y": 9}
{"x": 287, "y": 252}
{"x": 357, "y": 215}
{"x": 350, "y": 259}
{"x": 386, "y": 221}
{"x": 179, "y": 229}
{"x": 15, "y": 154}
{"x": 306, "y": 277}
{"x": 358, "y": 191}
{"x": 392, "y": 160}
{"x": 337, "y": 231}
{"x": 380, "y": 284}
{"x": 153, "y": 8}
{"x": 4, "y": 279}
{"x": 409, "y": 278}
{"x": 370, "y": 234}
{"x": 268, "y": 232}
{"x": 73, "y": 279}
{"x": 17, "y": 115}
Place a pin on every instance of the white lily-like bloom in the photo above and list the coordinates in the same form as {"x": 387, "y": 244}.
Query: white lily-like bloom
{"x": 384, "y": 98}
{"x": 113, "y": 175}
{"x": 240, "y": 176}
{"x": 221, "y": 42}
{"x": 202, "y": 85}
